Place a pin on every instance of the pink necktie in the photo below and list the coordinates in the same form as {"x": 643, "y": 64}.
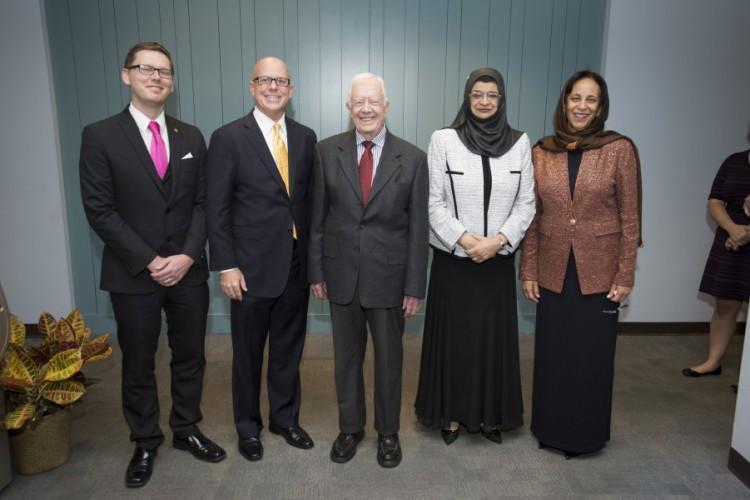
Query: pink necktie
{"x": 158, "y": 151}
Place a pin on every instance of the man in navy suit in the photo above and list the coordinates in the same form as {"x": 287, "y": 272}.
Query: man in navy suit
{"x": 143, "y": 188}
{"x": 259, "y": 170}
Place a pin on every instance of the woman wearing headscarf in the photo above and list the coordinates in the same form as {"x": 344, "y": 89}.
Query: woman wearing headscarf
{"x": 578, "y": 265}
{"x": 481, "y": 203}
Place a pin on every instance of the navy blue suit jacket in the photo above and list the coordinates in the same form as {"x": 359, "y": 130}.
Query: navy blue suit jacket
{"x": 249, "y": 213}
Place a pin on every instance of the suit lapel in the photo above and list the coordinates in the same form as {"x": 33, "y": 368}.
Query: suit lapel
{"x": 348, "y": 162}
{"x": 130, "y": 129}
{"x": 293, "y": 144}
{"x": 389, "y": 163}
{"x": 255, "y": 136}
{"x": 175, "y": 153}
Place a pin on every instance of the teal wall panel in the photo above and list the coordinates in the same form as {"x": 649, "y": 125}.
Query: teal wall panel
{"x": 233, "y": 84}
{"x": 269, "y": 28}
{"x": 183, "y": 59}
{"x": 423, "y": 48}
{"x": 247, "y": 42}
{"x": 330, "y": 43}
{"x": 149, "y": 20}
{"x": 394, "y": 60}
{"x": 431, "y": 76}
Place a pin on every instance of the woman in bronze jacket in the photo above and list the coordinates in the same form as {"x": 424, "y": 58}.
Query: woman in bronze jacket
{"x": 578, "y": 265}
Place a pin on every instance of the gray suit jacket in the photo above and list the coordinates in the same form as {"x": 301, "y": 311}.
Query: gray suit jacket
{"x": 380, "y": 248}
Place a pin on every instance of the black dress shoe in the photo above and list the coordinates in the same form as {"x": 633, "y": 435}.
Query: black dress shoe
{"x": 389, "y": 450}
{"x": 294, "y": 435}
{"x": 251, "y": 448}
{"x": 200, "y": 446}
{"x": 449, "y": 435}
{"x": 140, "y": 467}
{"x": 345, "y": 446}
{"x": 492, "y": 433}
{"x": 689, "y": 372}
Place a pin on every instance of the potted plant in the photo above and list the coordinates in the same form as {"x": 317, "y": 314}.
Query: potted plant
{"x": 41, "y": 382}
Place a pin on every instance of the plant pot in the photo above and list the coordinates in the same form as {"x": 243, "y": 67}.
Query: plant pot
{"x": 44, "y": 446}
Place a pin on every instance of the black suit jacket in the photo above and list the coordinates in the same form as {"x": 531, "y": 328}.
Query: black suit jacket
{"x": 249, "y": 213}
{"x": 380, "y": 248}
{"x": 127, "y": 205}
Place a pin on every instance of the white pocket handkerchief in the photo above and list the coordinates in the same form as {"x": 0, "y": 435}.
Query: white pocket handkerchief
{"x": 187, "y": 156}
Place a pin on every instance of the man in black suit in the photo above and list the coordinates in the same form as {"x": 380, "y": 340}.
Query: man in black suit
{"x": 368, "y": 256}
{"x": 258, "y": 174}
{"x": 143, "y": 188}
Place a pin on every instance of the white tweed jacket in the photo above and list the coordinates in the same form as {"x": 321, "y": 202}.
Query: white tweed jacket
{"x": 457, "y": 193}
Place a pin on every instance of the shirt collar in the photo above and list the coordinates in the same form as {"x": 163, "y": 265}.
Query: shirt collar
{"x": 378, "y": 140}
{"x": 142, "y": 121}
{"x": 266, "y": 123}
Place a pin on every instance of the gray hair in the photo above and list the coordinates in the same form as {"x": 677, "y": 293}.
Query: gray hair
{"x": 367, "y": 76}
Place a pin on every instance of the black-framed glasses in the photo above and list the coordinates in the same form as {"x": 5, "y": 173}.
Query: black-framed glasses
{"x": 265, "y": 81}
{"x": 148, "y": 70}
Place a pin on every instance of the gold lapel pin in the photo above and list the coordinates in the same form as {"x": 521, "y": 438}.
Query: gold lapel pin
{"x": 174, "y": 130}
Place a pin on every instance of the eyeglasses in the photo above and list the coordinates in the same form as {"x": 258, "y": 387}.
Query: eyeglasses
{"x": 148, "y": 70}
{"x": 478, "y": 96}
{"x": 265, "y": 81}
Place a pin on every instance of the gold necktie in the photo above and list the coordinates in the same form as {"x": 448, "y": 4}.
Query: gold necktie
{"x": 281, "y": 157}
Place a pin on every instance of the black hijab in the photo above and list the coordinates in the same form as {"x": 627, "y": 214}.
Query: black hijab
{"x": 491, "y": 136}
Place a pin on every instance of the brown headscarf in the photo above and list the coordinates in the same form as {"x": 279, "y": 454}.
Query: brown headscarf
{"x": 593, "y": 136}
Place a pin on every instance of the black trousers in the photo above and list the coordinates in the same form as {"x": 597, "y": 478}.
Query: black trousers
{"x": 138, "y": 319}
{"x": 283, "y": 320}
{"x": 349, "y": 322}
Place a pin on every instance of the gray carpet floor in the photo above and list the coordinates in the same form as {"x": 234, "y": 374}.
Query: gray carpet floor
{"x": 670, "y": 439}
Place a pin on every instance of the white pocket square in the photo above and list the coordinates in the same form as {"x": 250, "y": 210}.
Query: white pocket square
{"x": 187, "y": 156}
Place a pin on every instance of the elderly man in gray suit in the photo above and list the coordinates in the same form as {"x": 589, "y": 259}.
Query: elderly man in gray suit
{"x": 368, "y": 256}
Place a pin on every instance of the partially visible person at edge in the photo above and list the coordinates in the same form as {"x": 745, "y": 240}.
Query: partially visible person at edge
{"x": 481, "y": 203}
{"x": 578, "y": 265}
{"x": 727, "y": 273}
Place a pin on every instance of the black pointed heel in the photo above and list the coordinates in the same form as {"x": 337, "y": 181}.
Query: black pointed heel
{"x": 449, "y": 436}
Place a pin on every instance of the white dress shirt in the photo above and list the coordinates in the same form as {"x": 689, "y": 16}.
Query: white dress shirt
{"x": 266, "y": 128}
{"x": 142, "y": 121}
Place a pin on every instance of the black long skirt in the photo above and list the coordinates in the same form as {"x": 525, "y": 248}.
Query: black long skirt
{"x": 470, "y": 369}
{"x": 574, "y": 353}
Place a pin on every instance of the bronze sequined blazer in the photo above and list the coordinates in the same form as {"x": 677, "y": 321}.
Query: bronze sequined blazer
{"x": 601, "y": 222}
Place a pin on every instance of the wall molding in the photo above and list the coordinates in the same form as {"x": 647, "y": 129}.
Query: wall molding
{"x": 669, "y": 328}
{"x": 740, "y": 466}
